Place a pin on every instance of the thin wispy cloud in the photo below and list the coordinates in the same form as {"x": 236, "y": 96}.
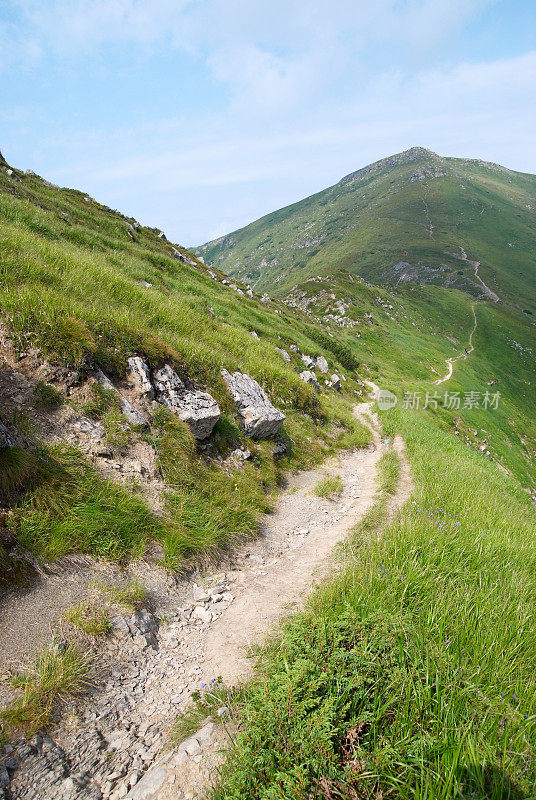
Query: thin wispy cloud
{"x": 200, "y": 116}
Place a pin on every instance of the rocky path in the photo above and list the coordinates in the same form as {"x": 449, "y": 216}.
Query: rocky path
{"x": 113, "y": 746}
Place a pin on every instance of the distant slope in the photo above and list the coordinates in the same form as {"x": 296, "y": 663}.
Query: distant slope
{"x": 412, "y": 218}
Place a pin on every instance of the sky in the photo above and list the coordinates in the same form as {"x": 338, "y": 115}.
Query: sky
{"x": 199, "y": 116}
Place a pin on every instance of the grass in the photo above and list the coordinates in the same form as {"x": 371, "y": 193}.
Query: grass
{"x": 132, "y": 595}
{"x": 56, "y": 675}
{"x": 47, "y": 396}
{"x": 71, "y": 508}
{"x": 206, "y": 703}
{"x": 89, "y": 618}
{"x": 411, "y": 675}
{"x": 329, "y": 486}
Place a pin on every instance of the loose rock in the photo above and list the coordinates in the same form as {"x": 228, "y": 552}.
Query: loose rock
{"x": 259, "y": 417}
{"x": 322, "y": 364}
{"x": 198, "y": 409}
{"x": 309, "y": 377}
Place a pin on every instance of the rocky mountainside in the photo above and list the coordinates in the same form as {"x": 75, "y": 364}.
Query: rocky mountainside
{"x": 415, "y": 217}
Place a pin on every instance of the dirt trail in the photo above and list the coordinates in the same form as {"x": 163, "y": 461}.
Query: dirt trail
{"x": 282, "y": 587}
{"x": 451, "y": 361}
{"x": 316, "y": 526}
{"x": 489, "y": 293}
{"x": 114, "y": 746}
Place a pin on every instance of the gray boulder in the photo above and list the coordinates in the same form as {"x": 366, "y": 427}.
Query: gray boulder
{"x": 140, "y": 376}
{"x": 284, "y": 354}
{"x": 321, "y": 364}
{"x": 308, "y": 361}
{"x": 132, "y": 416}
{"x": 336, "y": 382}
{"x": 309, "y": 377}
{"x": 6, "y": 439}
{"x": 259, "y": 417}
{"x": 197, "y": 409}
{"x": 294, "y": 348}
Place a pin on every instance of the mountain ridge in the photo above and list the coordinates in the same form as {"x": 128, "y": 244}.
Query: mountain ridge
{"x": 405, "y": 218}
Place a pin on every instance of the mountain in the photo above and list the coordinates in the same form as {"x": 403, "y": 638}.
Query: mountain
{"x": 128, "y": 470}
{"x": 415, "y": 217}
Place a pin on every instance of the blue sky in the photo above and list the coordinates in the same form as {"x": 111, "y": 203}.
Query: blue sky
{"x": 198, "y": 116}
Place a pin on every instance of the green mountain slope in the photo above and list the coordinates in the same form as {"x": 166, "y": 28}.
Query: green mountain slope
{"x": 412, "y": 218}
{"x": 411, "y": 671}
{"x": 84, "y": 288}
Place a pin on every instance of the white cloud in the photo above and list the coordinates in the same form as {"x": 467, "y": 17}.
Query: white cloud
{"x": 269, "y": 54}
{"x": 310, "y": 90}
{"x": 216, "y": 178}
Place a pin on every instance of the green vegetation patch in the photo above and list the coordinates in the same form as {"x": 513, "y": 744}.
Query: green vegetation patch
{"x": 328, "y": 487}
{"x": 73, "y": 509}
{"x": 89, "y": 618}
{"x": 57, "y": 674}
{"x": 411, "y": 674}
{"x": 47, "y": 396}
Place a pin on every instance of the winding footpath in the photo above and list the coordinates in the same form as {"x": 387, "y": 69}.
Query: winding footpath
{"x": 453, "y": 359}
{"x": 113, "y": 746}
{"x": 283, "y": 576}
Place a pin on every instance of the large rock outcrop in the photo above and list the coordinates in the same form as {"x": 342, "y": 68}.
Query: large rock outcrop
{"x": 259, "y": 417}
{"x": 198, "y": 409}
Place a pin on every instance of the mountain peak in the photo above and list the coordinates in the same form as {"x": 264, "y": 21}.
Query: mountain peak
{"x": 405, "y": 157}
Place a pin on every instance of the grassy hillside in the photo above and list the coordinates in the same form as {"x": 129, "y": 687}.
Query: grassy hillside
{"x": 411, "y": 672}
{"x": 84, "y": 287}
{"x": 412, "y": 218}
{"x": 410, "y": 675}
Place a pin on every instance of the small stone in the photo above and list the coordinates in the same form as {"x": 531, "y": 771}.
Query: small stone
{"x": 191, "y": 746}
{"x": 120, "y": 625}
{"x": 201, "y": 613}
{"x": 200, "y": 595}
{"x": 336, "y": 382}
{"x": 321, "y": 364}
{"x": 309, "y": 377}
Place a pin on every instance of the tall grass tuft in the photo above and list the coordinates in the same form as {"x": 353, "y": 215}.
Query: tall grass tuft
{"x": 56, "y": 675}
